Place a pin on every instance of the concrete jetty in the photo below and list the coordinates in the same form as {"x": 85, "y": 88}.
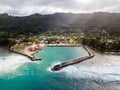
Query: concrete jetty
{"x": 64, "y": 64}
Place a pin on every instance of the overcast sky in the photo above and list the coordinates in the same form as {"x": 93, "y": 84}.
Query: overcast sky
{"x": 27, "y": 7}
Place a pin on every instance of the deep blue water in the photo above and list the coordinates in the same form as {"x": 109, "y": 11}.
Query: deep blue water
{"x": 19, "y": 73}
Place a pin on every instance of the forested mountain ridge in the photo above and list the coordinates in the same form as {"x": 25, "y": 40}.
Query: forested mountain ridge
{"x": 38, "y": 23}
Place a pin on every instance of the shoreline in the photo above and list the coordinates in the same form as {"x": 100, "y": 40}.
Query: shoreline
{"x": 105, "y": 52}
{"x": 32, "y": 57}
{"x": 112, "y": 53}
{"x": 26, "y": 52}
{"x": 101, "y": 59}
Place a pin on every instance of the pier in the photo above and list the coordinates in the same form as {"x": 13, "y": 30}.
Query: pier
{"x": 64, "y": 64}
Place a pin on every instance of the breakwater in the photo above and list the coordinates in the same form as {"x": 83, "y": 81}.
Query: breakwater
{"x": 64, "y": 64}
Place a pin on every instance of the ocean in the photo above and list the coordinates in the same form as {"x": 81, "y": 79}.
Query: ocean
{"x": 20, "y": 73}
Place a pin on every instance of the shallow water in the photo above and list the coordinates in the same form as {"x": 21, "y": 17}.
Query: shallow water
{"x": 19, "y": 73}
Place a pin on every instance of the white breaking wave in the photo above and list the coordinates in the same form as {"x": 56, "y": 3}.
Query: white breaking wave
{"x": 52, "y": 65}
{"x": 108, "y": 73}
{"x": 12, "y": 62}
{"x": 103, "y": 67}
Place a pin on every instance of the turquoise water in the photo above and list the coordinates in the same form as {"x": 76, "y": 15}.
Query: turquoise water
{"x": 19, "y": 73}
{"x": 54, "y": 55}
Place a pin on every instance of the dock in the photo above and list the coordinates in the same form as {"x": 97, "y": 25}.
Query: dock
{"x": 65, "y": 64}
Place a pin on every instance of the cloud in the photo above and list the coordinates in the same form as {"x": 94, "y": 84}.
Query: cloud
{"x": 26, "y": 7}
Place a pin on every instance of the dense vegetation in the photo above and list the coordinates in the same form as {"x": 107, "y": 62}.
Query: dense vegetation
{"x": 60, "y": 22}
{"x": 102, "y": 44}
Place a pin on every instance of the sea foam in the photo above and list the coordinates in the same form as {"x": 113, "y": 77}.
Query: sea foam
{"x": 52, "y": 65}
{"x": 108, "y": 73}
{"x": 12, "y": 62}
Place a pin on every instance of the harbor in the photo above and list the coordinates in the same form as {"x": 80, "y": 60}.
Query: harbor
{"x": 29, "y": 49}
{"x": 64, "y": 64}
